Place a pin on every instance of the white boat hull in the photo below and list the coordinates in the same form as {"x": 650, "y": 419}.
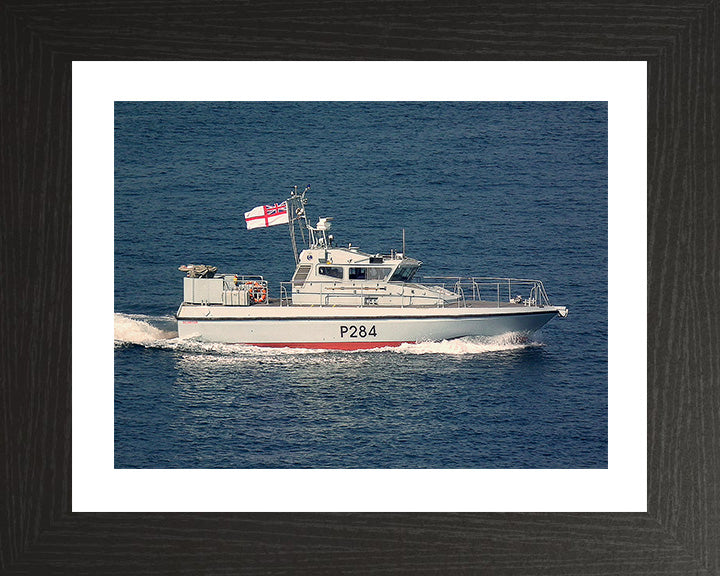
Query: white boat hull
{"x": 353, "y": 328}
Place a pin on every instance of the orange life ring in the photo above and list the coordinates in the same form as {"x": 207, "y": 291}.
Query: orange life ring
{"x": 256, "y": 291}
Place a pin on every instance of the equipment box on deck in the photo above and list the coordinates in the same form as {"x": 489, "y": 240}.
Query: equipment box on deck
{"x": 236, "y": 298}
{"x": 203, "y": 290}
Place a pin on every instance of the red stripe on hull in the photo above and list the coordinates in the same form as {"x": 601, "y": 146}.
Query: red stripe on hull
{"x": 327, "y": 345}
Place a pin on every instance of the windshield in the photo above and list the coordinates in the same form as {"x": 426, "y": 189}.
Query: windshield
{"x": 403, "y": 273}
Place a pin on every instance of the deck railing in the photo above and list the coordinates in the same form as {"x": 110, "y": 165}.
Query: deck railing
{"x": 485, "y": 288}
{"x": 329, "y": 293}
{"x": 465, "y": 289}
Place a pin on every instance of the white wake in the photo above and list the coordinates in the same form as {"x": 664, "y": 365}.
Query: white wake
{"x": 135, "y": 330}
{"x": 470, "y": 345}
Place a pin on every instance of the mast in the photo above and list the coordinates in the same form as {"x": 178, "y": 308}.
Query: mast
{"x": 296, "y": 208}
{"x": 317, "y": 236}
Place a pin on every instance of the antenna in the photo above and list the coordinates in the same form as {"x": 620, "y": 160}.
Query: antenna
{"x": 403, "y": 242}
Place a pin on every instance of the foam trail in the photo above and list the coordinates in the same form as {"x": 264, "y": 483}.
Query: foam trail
{"x": 152, "y": 332}
{"x": 135, "y": 331}
{"x": 469, "y": 345}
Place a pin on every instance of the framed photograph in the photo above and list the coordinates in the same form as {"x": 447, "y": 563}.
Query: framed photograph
{"x": 603, "y": 498}
{"x": 516, "y": 174}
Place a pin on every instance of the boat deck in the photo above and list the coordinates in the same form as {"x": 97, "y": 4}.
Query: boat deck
{"x": 276, "y": 302}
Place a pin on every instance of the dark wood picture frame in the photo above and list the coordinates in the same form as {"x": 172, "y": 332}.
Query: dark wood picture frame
{"x": 680, "y": 533}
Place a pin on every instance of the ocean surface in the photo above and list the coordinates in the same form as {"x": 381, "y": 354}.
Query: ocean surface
{"x": 513, "y": 189}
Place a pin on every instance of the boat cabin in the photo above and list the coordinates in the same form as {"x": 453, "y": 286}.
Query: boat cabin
{"x": 349, "y": 277}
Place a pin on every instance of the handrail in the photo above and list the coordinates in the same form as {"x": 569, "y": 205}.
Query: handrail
{"x": 535, "y": 289}
{"x": 329, "y": 291}
{"x": 465, "y": 289}
{"x": 284, "y": 298}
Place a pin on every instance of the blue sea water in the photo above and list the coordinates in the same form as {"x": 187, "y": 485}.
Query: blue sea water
{"x": 481, "y": 188}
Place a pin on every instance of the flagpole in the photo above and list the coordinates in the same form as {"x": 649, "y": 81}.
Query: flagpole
{"x": 291, "y": 222}
{"x": 296, "y": 214}
{"x": 291, "y": 225}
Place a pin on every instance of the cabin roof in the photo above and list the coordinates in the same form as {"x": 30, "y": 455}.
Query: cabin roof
{"x": 353, "y": 255}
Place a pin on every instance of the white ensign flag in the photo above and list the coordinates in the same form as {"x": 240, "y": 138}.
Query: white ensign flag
{"x": 264, "y": 216}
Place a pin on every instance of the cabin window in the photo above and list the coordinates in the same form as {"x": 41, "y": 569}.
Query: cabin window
{"x": 369, "y": 273}
{"x": 332, "y": 271}
{"x": 403, "y": 273}
{"x": 357, "y": 273}
{"x": 374, "y": 273}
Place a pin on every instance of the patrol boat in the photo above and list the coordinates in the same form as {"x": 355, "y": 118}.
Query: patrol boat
{"x": 346, "y": 299}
